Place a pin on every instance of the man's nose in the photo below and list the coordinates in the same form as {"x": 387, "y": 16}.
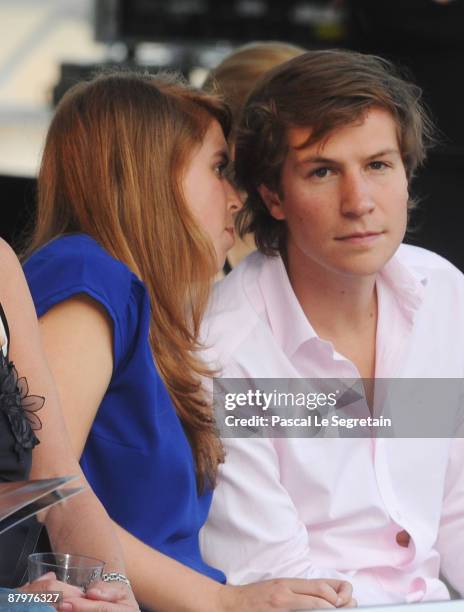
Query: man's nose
{"x": 356, "y": 196}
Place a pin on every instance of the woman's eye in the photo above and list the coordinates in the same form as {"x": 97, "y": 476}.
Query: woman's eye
{"x": 219, "y": 169}
{"x": 226, "y": 170}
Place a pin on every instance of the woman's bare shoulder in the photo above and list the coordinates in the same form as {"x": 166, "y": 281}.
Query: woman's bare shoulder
{"x": 14, "y": 292}
{"x": 9, "y": 263}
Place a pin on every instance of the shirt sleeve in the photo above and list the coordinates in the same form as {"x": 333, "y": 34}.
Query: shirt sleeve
{"x": 450, "y": 542}
{"x": 254, "y": 519}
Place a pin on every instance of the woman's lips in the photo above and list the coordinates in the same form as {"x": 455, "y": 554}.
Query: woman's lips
{"x": 231, "y": 232}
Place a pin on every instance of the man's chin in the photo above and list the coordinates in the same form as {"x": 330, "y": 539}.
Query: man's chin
{"x": 363, "y": 267}
{"x": 369, "y": 263}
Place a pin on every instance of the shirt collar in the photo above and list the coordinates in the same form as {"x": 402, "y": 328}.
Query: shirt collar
{"x": 289, "y": 323}
{"x": 407, "y": 284}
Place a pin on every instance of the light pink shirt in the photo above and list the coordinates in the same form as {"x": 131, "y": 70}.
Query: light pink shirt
{"x": 312, "y": 508}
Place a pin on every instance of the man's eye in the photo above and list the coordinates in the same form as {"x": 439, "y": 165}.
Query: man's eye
{"x": 320, "y": 172}
{"x": 377, "y": 165}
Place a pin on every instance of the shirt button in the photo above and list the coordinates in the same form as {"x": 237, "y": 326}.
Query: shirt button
{"x": 403, "y": 538}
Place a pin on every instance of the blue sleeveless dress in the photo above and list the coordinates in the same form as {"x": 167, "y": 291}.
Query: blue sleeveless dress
{"x": 137, "y": 458}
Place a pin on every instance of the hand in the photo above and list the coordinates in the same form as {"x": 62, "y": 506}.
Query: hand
{"x": 345, "y": 593}
{"x": 284, "y": 595}
{"x": 117, "y": 592}
{"x": 105, "y": 597}
{"x": 49, "y": 584}
{"x": 351, "y": 604}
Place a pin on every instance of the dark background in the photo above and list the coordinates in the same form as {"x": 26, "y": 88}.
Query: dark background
{"x": 424, "y": 37}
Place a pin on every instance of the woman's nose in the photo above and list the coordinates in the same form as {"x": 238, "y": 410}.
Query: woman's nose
{"x": 234, "y": 198}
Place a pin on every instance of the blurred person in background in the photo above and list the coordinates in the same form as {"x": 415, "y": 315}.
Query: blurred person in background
{"x": 233, "y": 79}
{"x": 135, "y": 216}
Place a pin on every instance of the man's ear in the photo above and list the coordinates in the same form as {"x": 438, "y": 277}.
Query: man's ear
{"x": 272, "y": 201}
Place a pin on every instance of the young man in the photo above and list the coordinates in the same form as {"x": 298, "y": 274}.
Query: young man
{"x": 327, "y": 147}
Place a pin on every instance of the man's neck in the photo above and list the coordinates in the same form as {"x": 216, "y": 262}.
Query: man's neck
{"x": 332, "y": 302}
{"x": 342, "y": 310}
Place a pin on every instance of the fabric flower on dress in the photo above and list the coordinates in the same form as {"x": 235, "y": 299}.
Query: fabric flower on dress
{"x": 19, "y": 407}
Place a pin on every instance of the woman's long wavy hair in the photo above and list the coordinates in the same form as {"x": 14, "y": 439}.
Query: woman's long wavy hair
{"x": 112, "y": 168}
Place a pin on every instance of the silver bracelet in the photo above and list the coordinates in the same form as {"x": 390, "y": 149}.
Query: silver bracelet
{"x": 116, "y": 577}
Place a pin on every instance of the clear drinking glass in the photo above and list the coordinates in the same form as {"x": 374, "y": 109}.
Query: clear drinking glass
{"x": 77, "y": 570}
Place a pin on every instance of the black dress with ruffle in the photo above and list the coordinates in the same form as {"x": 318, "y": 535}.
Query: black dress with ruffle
{"x": 17, "y": 439}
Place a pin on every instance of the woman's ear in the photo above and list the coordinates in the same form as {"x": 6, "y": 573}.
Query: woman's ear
{"x": 272, "y": 201}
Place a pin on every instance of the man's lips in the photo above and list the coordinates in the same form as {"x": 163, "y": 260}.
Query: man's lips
{"x": 360, "y": 237}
